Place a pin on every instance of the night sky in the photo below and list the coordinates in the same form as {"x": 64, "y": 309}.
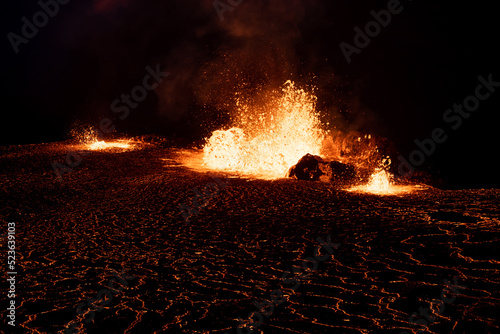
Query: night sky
{"x": 398, "y": 86}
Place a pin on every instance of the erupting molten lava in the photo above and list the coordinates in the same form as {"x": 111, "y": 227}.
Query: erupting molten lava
{"x": 102, "y": 145}
{"x": 381, "y": 183}
{"x": 268, "y": 139}
{"x": 89, "y": 138}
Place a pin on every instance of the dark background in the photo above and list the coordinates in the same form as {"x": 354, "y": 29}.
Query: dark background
{"x": 398, "y": 87}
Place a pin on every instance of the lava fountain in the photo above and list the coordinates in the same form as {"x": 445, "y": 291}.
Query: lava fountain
{"x": 381, "y": 183}
{"x": 268, "y": 139}
{"x": 89, "y": 138}
{"x": 102, "y": 145}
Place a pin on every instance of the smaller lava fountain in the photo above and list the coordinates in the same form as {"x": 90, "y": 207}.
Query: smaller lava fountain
{"x": 102, "y": 145}
{"x": 89, "y": 138}
{"x": 381, "y": 183}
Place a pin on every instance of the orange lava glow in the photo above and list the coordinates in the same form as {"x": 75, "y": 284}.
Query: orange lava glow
{"x": 88, "y": 137}
{"x": 268, "y": 139}
{"x": 381, "y": 183}
{"x": 102, "y": 145}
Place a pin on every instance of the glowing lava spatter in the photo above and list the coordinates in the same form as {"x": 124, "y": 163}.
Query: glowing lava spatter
{"x": 102, "y": 145}
{"x": 268, "y": 139}
{"x": 89, "y": 138}
{"x": 381, "y": 183}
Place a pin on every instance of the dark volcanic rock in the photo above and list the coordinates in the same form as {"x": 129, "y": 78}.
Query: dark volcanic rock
{"x": 307, "y": 168}
{"x": 121, "y": 210}
{"x": 312, "y": 167}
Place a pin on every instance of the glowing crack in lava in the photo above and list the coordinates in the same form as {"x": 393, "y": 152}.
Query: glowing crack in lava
{"x": 268, "y": 139}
